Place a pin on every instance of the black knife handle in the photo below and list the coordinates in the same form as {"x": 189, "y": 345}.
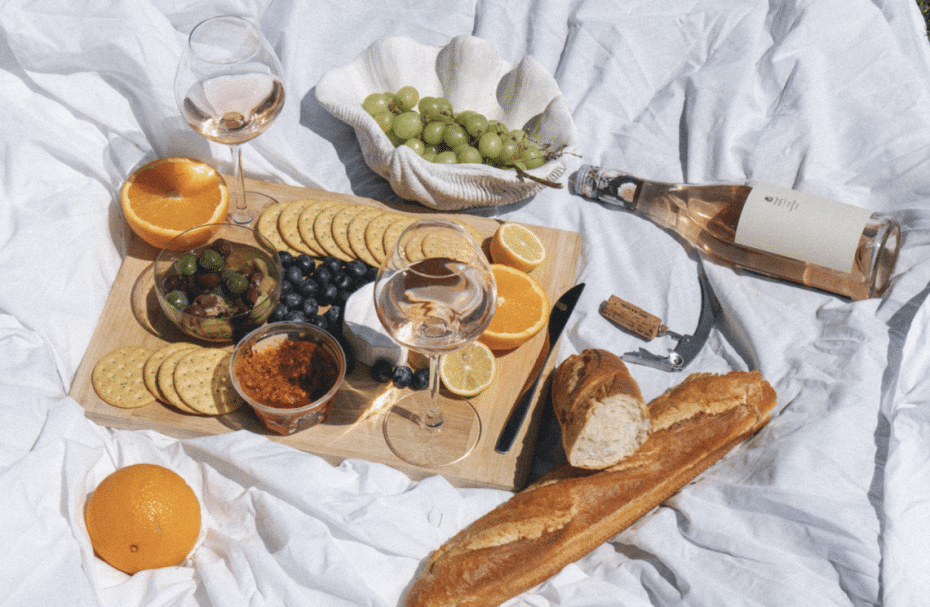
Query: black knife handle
{"x": 515, "y": 421}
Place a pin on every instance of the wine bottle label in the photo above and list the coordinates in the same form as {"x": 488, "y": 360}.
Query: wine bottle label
{"x": 801, "y": 226}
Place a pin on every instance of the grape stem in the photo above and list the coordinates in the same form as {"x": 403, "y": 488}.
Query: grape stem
{"x": 546, "y": 182}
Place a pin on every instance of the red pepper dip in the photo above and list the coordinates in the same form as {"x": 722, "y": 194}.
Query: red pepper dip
{"x": 287, "y": 375}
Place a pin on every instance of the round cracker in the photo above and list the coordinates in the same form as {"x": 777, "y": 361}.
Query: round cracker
{"x": 202, "y": 380}
{"x": 305, "y": 224}
{"x": 150, "y": 370}
{"x": 394, "y": 230}
{"x": 288, "y": 222}
{"x": 413, "y": 246}
{"x": 356, "y": 232}
{"x": 323, "y": 230}
{"x": 166, "y": 380}
{"x": 340, "y": 227}
{"x": 267, "y": 226}
{"x": 119, "y": 380}
{"x": 374, "y": 234}
{"x": 448, "y": 245}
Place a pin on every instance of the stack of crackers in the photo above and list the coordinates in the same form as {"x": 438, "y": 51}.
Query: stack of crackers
{"x": 188, "y": 377}
{"x": 322, "y": 228}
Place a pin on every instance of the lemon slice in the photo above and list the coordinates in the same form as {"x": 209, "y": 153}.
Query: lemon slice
{"x": 517, "y": 246}
{"x": 468, "y": 371}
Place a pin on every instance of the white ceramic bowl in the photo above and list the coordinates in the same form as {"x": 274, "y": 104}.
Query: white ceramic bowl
{"x": 469, "y": 72}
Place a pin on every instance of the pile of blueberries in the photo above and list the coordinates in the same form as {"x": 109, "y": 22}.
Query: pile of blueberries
{"x": 307, "y": 287}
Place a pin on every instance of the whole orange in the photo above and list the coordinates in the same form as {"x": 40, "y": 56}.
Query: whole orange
{"x": 168, "y": 196}
{"x": 143, "y": 516}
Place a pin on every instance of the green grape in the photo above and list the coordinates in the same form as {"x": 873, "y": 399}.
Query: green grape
{"x": 406, "y": 98}
{"x": 490, "y": 145}
{"x": 430, "y": 109}
{"x": 518, "y": 135}
{"x": 395, "y": 140}
{"x": 385, "y": 120}
{"x": 375, "y": 103}
{"x": 416, "y": 145}
{"x": 469, "y": 154}
{"x": 496, "y": 126}
{"x": 430, "y": 152}
{"x": 508, "y": 152}
{"x": 454, "y": 134}
{"x": 432, "y": 132}
{"x": 476, "y": 125}
{"x": 445, "y": 106}
{"x": 462, "y": 116}
{"x": 446, "y": 157}
{"x": 531, "y": 157}
{"x": 407, "y": 125}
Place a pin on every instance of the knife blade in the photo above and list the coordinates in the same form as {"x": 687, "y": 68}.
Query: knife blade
{"x": 558, "y": 318}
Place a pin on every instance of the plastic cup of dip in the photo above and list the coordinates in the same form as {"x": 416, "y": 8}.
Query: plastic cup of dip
{"x": 289, "y": 373}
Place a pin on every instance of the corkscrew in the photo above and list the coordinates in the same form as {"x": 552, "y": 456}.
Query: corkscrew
{"x": 649, "y": 326}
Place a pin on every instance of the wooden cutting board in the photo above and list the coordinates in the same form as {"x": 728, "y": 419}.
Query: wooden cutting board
{"x": 131, "y": 316}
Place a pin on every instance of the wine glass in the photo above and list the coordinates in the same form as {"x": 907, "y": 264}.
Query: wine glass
{"x": 228, "y": 88}
{"x": 435, "y": 293}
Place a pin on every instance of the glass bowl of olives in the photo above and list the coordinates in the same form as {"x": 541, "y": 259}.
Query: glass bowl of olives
{"x": 221, "y": 289}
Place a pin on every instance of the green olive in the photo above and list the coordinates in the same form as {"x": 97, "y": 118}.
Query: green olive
{"x": 177, "y": 300}
{"x": 211, "y": 261}
{"x": 186, "y": 265}
{"x": 236, "y": 283}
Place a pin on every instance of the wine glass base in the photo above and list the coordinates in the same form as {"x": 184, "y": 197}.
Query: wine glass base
{"x": 417, "y": 444}
{"x": 255, "y": 203}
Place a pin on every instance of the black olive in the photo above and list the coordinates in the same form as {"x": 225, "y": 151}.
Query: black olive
{"x": 175, "y": 282}
{"x": 255, "y": 280}
{"x": 382, "y": 371}
{"x": 195, "y": 310}
{"x": 251, "y": 297}
{"x": 223, "y": 247}
{"x": 208, "y": 280}
{"x": 403, "y": 377}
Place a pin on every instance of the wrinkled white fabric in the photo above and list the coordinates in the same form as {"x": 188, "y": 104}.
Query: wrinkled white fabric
{"x": 828, "y": 505}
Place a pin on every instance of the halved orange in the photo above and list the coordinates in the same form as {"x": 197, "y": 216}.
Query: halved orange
{"x": 522, "y": 309}
{"x": 168, "y": 196}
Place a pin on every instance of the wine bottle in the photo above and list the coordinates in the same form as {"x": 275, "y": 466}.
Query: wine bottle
{"x": 771, "y": 230}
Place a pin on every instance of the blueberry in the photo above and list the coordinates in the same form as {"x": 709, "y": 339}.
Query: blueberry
{"x": 305, "y": 263}
{"x": 318, "y": 321}
{"x": 343, "y": 281}
{"x": 382, "y": 371}
{"x": 286, "y": 287}
{"x": 327, "y": 295}
{"x": 310, "y": 306}
{"x": 293, "y": 275}
{"x": 333, "y": 264}
{"x": 371, "y": 274}
{"x": 295, "y": 316}
{"x": 403, "y": 377}
{"x": 421, "y": 379}
{"x": 292, "y": 300}
{"x": 356, "y": 269}
{"x": 309, "y": 287}
{"x": 279, "y": 312}
{"x": 333, "y": 317}
{"x": 323, "y": 276}
{"x": 286, "y": 258}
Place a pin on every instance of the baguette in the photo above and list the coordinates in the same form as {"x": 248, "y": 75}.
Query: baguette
{"x": 570, "y": 511}
{"x": 599, "y": 408}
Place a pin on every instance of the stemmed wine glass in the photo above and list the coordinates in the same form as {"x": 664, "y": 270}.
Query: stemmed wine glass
{"x": 228, "y": 88}
{"x": 435, "y": 293}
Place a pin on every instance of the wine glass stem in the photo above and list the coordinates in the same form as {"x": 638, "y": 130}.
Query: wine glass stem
{"x": 433, "y": 417}
{"x": 241, "y": 212}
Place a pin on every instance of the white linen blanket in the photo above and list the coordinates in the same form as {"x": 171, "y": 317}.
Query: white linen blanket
{"x": 828, "y": 505}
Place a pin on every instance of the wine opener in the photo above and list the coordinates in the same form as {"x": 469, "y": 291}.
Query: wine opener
{"x": 648, "y": 326}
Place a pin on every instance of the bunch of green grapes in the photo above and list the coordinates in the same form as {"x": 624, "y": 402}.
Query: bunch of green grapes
{"x": 431, "y": 128}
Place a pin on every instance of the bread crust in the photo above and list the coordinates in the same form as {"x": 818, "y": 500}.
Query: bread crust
{"x": 599, "y": 408}
{"x": 570, "y": 511}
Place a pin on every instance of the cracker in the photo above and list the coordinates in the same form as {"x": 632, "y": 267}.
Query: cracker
{"x": 394, "y": 230}
{"x": 448, "y": 245}
{"x": 374, "y": 234}
{"x": 323, "y": 230}
{"x": 356, "y": 234}
{"x": 267, "y": 226}
{"x": 305, "y": 224}
{"x": 202, "y": 380}
{"x": 288, "y": 225}
{"x": 413, "y": 246}
{"x": 150, "y": 370}
{"x": 340, "y": 227}
{"x": 118, "y": 377}
{"x": 166, "y": 380}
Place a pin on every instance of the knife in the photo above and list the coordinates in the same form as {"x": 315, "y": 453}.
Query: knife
{"x": 558, "y": 318}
